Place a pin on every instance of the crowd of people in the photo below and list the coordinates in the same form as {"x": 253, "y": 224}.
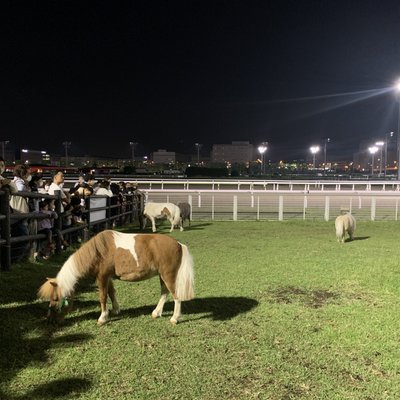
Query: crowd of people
{"x": 72, "y": 208}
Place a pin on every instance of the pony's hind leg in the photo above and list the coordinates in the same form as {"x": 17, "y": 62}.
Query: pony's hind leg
{"x": 111, "y": 293}
{"x": 103, "y": 289}
{"x": 177, "y": 312}
{"x": 157, "y": 312}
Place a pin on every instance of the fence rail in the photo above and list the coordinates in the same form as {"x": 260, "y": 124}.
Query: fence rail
{"x": 101, "y": 212}
{"x": 264, "y": 185}
{"x": 280, "y": 206}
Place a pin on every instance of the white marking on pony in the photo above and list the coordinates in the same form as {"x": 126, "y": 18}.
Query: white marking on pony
{"x": 177, "y": 312}
{"x": 126, "y": 241}
{"x": 157, "y": 312}
{"x": 104, "y": 317}
{"x": 68, "y": 276}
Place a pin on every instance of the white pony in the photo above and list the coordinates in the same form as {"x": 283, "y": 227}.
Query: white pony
{"x": 345, "y": 223}
{"x": 163, "y": 210}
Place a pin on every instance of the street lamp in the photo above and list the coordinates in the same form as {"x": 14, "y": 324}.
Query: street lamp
{"x": 262, "y": 148}
{"x": 66, "y": 145}
{"x": 397, "y": 88}
{"x": 372, "y": 150}
{"x": 380, "y": 146}
{"x": 4, "y": 143}
{"x": 326, "y": 141}
{"x": 314, "y": 150}
{"x": 133, "y": 144}
{"x": 386, "y": 146}
{"x": 198, "y": 146}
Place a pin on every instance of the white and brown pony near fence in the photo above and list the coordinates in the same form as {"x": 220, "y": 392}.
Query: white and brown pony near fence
{"x": 345, "y": 223}
{"x": 129, "y": 257}
{"x": 153, "y": 211}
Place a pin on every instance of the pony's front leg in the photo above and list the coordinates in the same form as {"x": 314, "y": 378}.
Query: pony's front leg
{"x": 157, "y": 312}
{"x": 103, "y": 289}
{"x": 111, "y": 293}
{"x": 153, "y": 224}
{"x": 177, "y": 312}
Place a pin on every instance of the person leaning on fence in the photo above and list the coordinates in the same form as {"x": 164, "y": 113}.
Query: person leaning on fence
{"x": 103, "y": 188}
{"x": 57, "y": 185}
{"x": 34, "y": 184}
{"x": 19, "y": 205}
{"x": 4, "y": 181}
{"x": 45, "y": 226}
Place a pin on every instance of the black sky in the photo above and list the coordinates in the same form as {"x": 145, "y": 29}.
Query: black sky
{"x": 167, "y": 74}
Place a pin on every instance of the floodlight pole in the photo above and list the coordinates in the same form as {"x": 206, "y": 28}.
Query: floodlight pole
{"x": 397, "y": 89}
{"x": 133, "y": 144}
{"x": 3, "y": 146}
{"x": 66, "y": 145}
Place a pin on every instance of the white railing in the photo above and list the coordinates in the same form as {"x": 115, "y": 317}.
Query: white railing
{"x": 274, "y": 205}
{"x": 266, "y": 185}
{"x": 227, "y": 199}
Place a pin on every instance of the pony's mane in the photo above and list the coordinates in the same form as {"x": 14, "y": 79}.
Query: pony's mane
{"x": 92, "y": 251}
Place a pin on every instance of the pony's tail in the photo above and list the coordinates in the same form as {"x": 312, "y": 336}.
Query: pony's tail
{"x": 339, "y": 225}
{"x": 177, "y": 216}
{"x": 184, "y": 283}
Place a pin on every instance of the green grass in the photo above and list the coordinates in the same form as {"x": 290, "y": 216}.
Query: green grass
{"x": 282, "y": 311}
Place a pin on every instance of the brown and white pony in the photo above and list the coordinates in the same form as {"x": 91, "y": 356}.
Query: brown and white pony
{"x": 170, "y": 211}
{"x": 129, "y": 257}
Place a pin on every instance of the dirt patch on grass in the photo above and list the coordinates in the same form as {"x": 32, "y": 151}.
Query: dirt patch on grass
{"x": 314, "y": 298}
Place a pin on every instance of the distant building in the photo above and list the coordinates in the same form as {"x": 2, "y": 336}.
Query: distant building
{"x": 162, "y": 156}
{"x": 237, "y": 152}
{"x": 32, "y": 156}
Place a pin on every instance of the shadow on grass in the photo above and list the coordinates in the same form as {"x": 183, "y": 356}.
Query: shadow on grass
{"x": 26, "y": 340}
{"x": 215, "y": 308}
{"x": 358, "y": 238}
{"x": 194, "y": 227}
{"x": 65, "y": 388}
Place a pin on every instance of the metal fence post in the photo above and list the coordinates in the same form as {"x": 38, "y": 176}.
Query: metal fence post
{"x": 373, "y": 208}
{"x": 235, "y": 208}
{"x": 304, "y": 207}
{"x": 326, "y": 217}
{"x": 58, "y": 221}
{"x": 280, "y": 210}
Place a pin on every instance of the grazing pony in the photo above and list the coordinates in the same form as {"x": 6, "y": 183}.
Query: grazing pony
{"x": 345, "y": 223}
{"x": 185, "y": 211}
{"x": 163, "y": 210}
{"x": 129, "y": 257}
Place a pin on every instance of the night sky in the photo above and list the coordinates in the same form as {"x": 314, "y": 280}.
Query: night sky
{"x": 167, "y": 74}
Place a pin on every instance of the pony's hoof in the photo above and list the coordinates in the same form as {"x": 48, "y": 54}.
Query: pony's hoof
{"x": 155, "y": 315}
{"x": 173, "y": 321}
{"x": 115, "y": 312}
{"x": 101, "y": 322}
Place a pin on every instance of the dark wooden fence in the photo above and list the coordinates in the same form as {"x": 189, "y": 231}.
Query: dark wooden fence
{"x": 100, "y": 212}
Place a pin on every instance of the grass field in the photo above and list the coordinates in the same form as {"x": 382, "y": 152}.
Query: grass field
{"x": 282, "y": 311}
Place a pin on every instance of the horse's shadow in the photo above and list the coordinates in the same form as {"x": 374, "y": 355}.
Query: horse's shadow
{"x": 194, "y": 227}
{"x": 357, "y": 238}
{"x": 215, "y": 308}
{"x": 164, "y": 229}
